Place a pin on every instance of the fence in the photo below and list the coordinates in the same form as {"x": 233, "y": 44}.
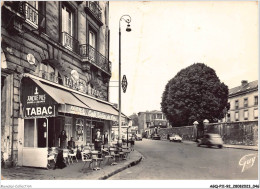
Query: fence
{"x": 244, "y": 133}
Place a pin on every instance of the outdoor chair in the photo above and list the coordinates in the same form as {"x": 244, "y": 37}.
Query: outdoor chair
{"x": 106, "y": 155}
{"x": 66, "y": 156}
{"x": 86, "y": 158}
{"x": 51, "y": 157}
{"x": 112, "y": 151}
{"x": 96, "y": 159}
{"x": 73, "y": 153}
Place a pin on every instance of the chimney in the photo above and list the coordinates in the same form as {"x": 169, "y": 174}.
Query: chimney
{"x": 243, "y": 83}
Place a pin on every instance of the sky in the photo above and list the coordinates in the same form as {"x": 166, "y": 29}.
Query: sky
{"x": 169, "y": 36}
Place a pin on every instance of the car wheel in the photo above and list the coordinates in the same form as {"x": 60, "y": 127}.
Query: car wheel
{"x": 209, "y": 146}
{"x": 198, "y": 145}
{"x": 220, "y": 146}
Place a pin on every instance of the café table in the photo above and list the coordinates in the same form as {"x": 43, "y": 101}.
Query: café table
{"x": 95, "y": 158}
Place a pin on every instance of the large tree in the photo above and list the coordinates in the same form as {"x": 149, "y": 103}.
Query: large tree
{"x": 134, "y": 118}
{"x": 195, "y": 93}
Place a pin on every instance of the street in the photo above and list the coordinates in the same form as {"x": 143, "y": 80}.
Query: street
{"x": 164, "y": 160}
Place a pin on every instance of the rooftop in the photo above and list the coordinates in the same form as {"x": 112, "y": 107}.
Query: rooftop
{"x": 245, "y": 86}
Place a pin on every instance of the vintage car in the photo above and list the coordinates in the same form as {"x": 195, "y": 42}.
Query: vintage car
{"x": 211, "y": 139}
{"x": 175, "y": 138}
{"x": 156, "y": 137}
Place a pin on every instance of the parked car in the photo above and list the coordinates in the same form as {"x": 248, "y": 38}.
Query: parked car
{"x": 210, "y": 139}
{"x": 156, "y": 137}
{"x": 175, "y": 138}
{"x": 138, "y": 137}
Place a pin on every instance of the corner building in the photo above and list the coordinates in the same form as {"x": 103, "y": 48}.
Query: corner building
{"x": 55, "y": 73}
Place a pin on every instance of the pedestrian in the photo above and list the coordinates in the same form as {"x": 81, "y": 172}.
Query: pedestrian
{"x": 98, "y": 140}
{"x": 105, "y": 139}
{"x": 63, "y": 139}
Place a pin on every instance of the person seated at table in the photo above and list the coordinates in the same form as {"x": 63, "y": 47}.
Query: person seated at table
{"x": 71, "y": 143}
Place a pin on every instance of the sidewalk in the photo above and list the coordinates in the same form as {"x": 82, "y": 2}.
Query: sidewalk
{"x": 71, "y": 172}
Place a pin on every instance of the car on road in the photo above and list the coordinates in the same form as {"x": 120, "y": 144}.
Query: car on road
{"x": 175, "y": 138}
{"x": 156, "y": 137}
{"x": 138, "y": 137}
{"x": 211, "y": 139}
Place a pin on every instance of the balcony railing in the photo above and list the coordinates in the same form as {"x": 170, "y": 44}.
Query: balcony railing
{"x": 94, "y": 57}
{"x": 69, "y": 42}
{"x": 94, "y": 8}
{"x": 32, "y": 15}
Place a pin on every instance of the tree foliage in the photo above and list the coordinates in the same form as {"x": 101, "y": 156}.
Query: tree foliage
{"x": 195, "y": 93}
{"x": 134, "y": 118}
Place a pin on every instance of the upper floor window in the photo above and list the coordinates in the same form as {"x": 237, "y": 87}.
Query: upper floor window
{"x": 245, "y": 102}
{"x": 92, "y": 39}
{"x": 256, "y": 100}
{"x": 256, "y": 113}
{"x": 236, "y": 104}
{"x": 159, "y": 116}
{"x": 67, "y": 26}
{"x": 50, "y": 73}
{"x": 237, "y": 116}
{"x": 245, "y": 114}
{"x": 34, "y": 12}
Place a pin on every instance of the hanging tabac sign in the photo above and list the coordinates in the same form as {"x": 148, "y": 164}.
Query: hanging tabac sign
{"x": 124, "y": 83}
{"x": 36, "y": 102}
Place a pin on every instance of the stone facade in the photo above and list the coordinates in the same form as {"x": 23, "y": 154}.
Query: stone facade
{"x": 24, "y": 37}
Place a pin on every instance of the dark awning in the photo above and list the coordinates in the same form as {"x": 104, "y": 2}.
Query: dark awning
{"x": 71, "y": 102}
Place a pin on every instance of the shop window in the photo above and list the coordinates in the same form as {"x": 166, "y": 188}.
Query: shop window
{"x": 228, "y": 117}
{"x": 50, "y": 73}
{"x": 79, "y": 129}
{"x": 256, "y": 100}
{"x": 256, "y": 113}
{"x": 245, "y": 102}
{"x": 237, "y": 116}
{"x": 236, "y": 104}
{"x": 245, "y": 114}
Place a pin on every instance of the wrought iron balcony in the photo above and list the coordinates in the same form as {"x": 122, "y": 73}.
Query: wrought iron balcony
{"x": 69, "y": 42}
{"x": 32, "y": 15}
{"x": 94, "y": 57}
{"x": 94, "y": 9}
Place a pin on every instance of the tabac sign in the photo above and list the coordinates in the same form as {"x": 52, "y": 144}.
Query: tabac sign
{"x": 36, "y": 102}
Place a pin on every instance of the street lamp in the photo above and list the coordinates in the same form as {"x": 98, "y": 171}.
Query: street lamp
{"x": 127, "y": 19}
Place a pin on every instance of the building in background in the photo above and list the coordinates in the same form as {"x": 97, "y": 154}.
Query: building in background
{"x": 243, "y": 101}
{"x": 55, "y": 74}
{"x": 150, "y": 121}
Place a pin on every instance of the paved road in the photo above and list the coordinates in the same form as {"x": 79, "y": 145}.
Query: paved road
{"x": 164, "y": 160}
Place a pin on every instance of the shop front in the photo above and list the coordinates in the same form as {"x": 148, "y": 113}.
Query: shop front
{"x": 49, "y": 109}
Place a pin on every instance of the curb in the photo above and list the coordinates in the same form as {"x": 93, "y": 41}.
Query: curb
{"x": 130, "y": 164}
{"x": 241, "y": 148}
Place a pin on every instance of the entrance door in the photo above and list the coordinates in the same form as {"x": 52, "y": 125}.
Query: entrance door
{"x": 42, "y": 132}
{"x": 97, "y": 125}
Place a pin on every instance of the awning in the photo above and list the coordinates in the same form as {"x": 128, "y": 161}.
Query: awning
{"x": 60, "y": 95}
{"x": 65, "y": 101}
{"x": 95, "y": 105}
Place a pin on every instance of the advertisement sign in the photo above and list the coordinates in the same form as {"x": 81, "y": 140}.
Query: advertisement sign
{"x": 88, "y": 112}
{"x": 36, "y": 102}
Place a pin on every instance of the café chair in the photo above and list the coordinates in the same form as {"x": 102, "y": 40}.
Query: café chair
{"x": 51, "y": 157}
{"x": 112, "y": 151}
{"x": 73, "y": 153}
{"x": 86, "y": 158}
{"x": 96, "y": 159}
{"x": 66, "y": 156}
{"x": 106, "y": 155}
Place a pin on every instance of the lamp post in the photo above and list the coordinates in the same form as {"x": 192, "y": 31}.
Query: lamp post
{"x": 127, "y": 19}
